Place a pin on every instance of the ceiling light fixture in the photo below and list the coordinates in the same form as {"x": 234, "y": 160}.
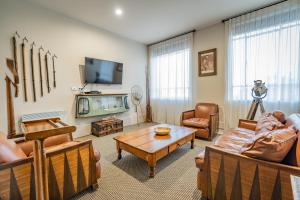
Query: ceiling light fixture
{"x": 118, "y": 11}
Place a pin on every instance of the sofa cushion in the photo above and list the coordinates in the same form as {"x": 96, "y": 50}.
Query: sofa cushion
{"x": 196, "y": 122}
{"x": 9, "y": 151}
{"x": 267, "y": 122}
{"x": 273, "y": 145}
{"x": 294, "y": 120}
{"x": 235, "y": 140}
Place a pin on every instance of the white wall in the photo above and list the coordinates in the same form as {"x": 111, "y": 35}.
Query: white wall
{"x": 210, "y": 88}
{"x": 71, "y": 41}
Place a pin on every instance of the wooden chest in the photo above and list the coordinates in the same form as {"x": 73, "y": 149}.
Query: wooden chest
{"x": 107, "y": 126}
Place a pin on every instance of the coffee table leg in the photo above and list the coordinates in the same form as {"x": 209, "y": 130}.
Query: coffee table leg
{"x": 119, "y": 151}
{"x": 152, "y": 172}
{"x": 119, "y": 154}
{"x": 152, "y": 164}
{"x": 192, "y": 141}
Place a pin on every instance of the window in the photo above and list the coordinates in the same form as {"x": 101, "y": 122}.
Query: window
{"x": 270, "y": 54}
{"x": 171, "y": 76}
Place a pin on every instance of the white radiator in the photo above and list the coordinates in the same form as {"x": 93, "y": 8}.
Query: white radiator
{"x": 43, "y": 115}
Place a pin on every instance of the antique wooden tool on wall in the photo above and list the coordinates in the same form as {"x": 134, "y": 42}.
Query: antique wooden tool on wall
{"x": 10, "y": 108}
{"x": 10, "y": 65}
{"x": 47, "y": 71}
{"x": 40, "y": 71}
{"x": 53, "y": 68}
{"x": 16, "y": 55}
{"x": 24, "y": 68}
{"x": 32, "y": 72}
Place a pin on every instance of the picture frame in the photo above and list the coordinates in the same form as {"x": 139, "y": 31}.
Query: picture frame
{"x": 207, "y": 62}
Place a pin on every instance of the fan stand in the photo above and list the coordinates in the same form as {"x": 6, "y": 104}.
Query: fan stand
{"x": 137, "y": 115}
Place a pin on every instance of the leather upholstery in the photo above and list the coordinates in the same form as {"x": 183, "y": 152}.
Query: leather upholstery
{"x": 188, "y": 114}
{"x": 27, "y": 146}
{"x": 98, "y": 170}
{"x": 200, "y": 160}
{"x": 9, "y": 151}
{"x": 204, "y": 110}
{"x": 268, "y": 122}
{"x": 280, "y": 116}
{"x": 235, "y": 140}
{"x": 247, "y": 130}
{"x": 205, "y": 118}
{"x": 97, "y": 155}
{"x": 196, "y": 122}
{"x": 247, "y": 124}
{"x": 273, "y": 145}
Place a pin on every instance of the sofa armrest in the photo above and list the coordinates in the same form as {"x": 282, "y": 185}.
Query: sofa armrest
{"x": 247, "y": 124}
{"x": 187, "y": 115}
{"x": 250, "y": 172}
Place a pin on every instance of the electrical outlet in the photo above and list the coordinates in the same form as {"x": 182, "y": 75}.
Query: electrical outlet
{"x": 74, "y": 88}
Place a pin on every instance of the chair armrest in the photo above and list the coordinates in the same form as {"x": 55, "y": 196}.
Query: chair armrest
{"x": 187, "y": 115}
{"x": 247, "y": 124}
{"x": 214, "y": 124}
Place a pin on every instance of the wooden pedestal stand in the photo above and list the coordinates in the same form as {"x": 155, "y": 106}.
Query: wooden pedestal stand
{"x": 38, "y": 131}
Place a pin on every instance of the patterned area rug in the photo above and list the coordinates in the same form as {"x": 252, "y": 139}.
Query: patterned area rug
{"x": 176, "y": 174}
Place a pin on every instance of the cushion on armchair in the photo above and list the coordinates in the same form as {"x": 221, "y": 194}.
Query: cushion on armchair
{"x": 9, "y": 151}
{"x": 196, "y": 122}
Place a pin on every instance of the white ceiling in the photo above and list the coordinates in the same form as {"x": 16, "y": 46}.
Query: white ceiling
{"x": 149, "y": 21}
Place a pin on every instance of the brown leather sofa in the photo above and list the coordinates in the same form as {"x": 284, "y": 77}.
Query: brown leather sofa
{"x": 205, "y": 118}
{"x": 227, "y": 175}
{"x": 72, "y": 166}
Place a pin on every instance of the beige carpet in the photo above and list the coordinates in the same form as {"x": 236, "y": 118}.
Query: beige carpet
{"x": 128, "y": 178}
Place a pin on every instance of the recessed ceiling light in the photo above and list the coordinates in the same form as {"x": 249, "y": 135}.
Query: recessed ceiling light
{"x": 118, "y": 11}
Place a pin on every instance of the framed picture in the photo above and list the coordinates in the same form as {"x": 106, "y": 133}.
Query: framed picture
{"x": 207, "y": 62}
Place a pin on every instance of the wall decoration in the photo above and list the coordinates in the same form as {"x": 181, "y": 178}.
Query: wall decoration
{"x": 47, "y": 70}
{"x": 40, "y": 71}
{"x": 53, "y": 70}
{"x": 24, "y": 68}
{"x": 32, "y": 72}
{"x": 207, "y": 62}
{"x": 15, "y": 49}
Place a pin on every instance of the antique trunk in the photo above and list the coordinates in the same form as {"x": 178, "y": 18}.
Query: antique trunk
{"x": 107, "y": 126}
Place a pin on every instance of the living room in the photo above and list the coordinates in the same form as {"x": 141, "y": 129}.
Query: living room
{"x": 130, "y": 99}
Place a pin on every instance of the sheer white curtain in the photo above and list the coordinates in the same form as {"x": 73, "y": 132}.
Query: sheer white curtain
{"x": 170, "y": 78}
{"x": 263, "y": 45}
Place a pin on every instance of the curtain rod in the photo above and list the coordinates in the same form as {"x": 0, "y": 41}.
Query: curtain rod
{"x": 192, "y": 31}
{"x": 273, "y": 4}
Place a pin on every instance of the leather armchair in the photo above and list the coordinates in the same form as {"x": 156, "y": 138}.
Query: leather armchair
{"x": 73, "y": 166}
{"x": 205, "y": 118}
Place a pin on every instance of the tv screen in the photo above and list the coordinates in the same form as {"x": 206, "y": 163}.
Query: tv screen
{"x": 103, "y": 71}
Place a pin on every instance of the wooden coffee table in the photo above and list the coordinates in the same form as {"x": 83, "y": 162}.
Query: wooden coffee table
{"x": 150, "y": 147}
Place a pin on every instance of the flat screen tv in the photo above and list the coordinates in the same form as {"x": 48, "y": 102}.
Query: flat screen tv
{"x": 103, "y": 71}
